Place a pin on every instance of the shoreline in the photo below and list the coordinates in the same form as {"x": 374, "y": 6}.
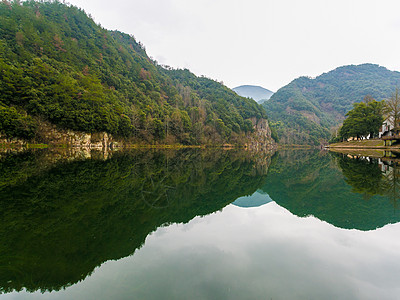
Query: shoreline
{"x": 363, "y": 144}
{"x": 125, "y": 146}
{"x": 371, "y": 148}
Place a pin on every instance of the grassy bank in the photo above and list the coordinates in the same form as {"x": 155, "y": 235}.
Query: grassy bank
{"x": 377, "y": 153}
{"x": 373, "y": 144}
{"x": 371, "y": 148}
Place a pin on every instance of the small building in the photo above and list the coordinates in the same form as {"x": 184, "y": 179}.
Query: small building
{"x": 386, "y": 128}
{"x": 389, "y": 132}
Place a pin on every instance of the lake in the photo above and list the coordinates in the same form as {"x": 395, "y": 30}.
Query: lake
{"x": 198, "y": 224}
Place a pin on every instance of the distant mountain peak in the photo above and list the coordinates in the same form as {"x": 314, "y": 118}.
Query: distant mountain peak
{"x": 255, "y": 92}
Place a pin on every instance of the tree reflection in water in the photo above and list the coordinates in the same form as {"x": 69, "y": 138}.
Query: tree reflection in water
{"x": 349, "y": 192}
{"x": 63, "y": 214}
{"x": 372, "y": 176}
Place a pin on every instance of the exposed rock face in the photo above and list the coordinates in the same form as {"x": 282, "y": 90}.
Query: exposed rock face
{"x": 49, "y": 134}
{"x": 261, "y": 138}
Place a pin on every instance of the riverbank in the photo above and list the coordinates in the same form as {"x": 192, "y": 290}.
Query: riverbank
{"x": 372, "y": 148}
{"x": 130, "y": 146}
{"x": 363, "y": 144}
{"x": 51, "y": 136}
{"x": 376, "y": 153}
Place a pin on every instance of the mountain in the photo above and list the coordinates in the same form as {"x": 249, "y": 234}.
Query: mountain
{"x": 306, "y": 110}
{"x": 254, "y": 92}
{"x": 59, "y": 67}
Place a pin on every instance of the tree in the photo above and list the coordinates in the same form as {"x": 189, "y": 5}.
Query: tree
{"x": 374, "y": 118}
{"x": 363, "y": 119}
{"x": 392, "y": 110}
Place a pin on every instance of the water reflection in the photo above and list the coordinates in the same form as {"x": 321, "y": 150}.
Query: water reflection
{"x": 256, "y": 253}
{"x": 363, "y": 174}
{"x": 372, "y": 176}
{"x": 65, "y": 212}
{"x": 64, "y": 215}
{"x": 346, "y": 191}
{"x": 259, "y": 198}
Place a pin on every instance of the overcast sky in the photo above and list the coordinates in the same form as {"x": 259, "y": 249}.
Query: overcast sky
{"x": 259, "y": 42}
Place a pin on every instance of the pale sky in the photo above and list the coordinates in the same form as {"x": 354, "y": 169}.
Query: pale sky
{"x": 267, "y": 43}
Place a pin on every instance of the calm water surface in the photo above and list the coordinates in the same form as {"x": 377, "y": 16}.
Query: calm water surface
{"x": 195, "y": 224}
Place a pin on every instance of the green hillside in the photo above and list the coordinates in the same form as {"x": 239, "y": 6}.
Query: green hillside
{"x": 58, "y": 66}
{"x": 307, "y": 109}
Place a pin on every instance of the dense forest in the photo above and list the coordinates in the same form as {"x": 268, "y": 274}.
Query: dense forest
{"x": 307, "y": 110}
{"x": 58, "y": 66}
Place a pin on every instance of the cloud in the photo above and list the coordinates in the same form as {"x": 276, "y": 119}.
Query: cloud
{"x": 269, "y": 43}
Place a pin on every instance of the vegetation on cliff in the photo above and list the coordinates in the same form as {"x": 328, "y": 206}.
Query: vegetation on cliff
{"x": 58, "y": 66}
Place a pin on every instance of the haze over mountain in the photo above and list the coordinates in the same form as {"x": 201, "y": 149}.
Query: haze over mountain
{"x": 255, "y": 92}
{"x": 306, "y": 110}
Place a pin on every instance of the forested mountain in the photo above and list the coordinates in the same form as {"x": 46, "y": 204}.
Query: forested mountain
{"x": 255, "y": 92}
{"x": 306, "y": 110}
{"x": 58, "y": 66}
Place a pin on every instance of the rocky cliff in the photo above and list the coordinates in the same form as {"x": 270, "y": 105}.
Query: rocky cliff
{"x": 261, "y": 138}
{"x": 51, "y": 135}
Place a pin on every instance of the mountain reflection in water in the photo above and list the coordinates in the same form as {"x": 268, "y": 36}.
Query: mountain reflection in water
{"x": 346, "y": 191}
{"x": 65, "y": 212}
{"x": 61, "y": 216}
{"x": 257, "y": 199}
